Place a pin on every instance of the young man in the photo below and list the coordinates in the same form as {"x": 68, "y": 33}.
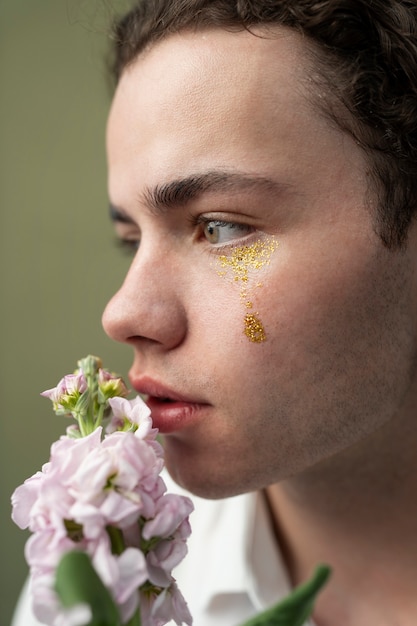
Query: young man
{"x": 262, "y": 164}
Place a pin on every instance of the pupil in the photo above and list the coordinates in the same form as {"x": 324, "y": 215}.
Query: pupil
{"x": 211, "y": 231}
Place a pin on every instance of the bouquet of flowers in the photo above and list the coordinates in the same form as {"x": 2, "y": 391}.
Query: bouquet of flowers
{"x": 105, "y": 533}
{"x": 101, "y": 496}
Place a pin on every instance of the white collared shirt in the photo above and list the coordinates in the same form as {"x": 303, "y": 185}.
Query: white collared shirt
{"x": 233, "y": 569}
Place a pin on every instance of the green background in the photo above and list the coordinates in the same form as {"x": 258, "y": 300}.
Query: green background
{"x": 59, "y": 263}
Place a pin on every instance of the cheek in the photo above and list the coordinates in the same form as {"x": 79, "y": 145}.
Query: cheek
{"x": 343, "y": 335}
{"x": 335, "y": 364}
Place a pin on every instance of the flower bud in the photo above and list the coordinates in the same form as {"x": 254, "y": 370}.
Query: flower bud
{"x": 109, "y": 386}
{"x": 66, "y": 394}
{"x": 90, "y": 365}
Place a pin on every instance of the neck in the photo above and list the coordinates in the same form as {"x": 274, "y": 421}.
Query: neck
{"x": 357, "y": 512}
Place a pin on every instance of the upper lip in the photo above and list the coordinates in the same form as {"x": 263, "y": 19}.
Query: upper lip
{"x": 154, "y": 389}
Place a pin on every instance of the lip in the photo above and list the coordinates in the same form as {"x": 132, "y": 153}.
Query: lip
{"x": 170, "y": 411}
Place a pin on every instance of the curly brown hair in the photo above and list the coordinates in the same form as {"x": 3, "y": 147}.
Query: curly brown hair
{"x": 365, "y": 54}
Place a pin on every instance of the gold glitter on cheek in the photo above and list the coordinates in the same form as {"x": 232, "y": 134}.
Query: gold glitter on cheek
{"x": 254, "y": 329}
{"x": 245, "y": 258}
{"x": 241, "y": 263}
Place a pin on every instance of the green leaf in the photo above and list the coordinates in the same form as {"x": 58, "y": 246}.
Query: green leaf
{"x": 297, "y": 607}
{"x": 78, "y": 582}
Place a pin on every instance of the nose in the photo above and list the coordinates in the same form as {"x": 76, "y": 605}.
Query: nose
{"x": 148, "y": 308}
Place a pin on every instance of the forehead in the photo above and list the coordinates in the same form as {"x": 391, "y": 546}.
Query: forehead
{"x": 214, "y": 56}
{"x": 210, "y": 73}
{"x": 203, "y": 100}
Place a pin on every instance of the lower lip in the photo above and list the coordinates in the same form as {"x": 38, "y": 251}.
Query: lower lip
{"x": 169, "y": 417}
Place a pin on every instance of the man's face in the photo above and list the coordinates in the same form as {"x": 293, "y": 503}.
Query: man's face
{"x": 271, "y": 329}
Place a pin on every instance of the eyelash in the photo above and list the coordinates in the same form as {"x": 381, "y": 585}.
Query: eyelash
{"x": 127, "y": 246}
{"x": 130, "y": 246}
{"x": 203, "y": 222}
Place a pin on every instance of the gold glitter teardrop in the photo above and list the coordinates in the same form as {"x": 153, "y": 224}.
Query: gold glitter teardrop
{"x": 241, "y": 263}
{"x": 254, "y": 329}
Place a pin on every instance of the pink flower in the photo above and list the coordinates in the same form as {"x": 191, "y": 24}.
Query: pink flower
{"x": 171, "y": 513}
{"x": 68, "y": 453}
{"x": 24, "y": 498}
{"x": 170, "y": 522}
{"x": 123, "y": 575}
{"x": 47, "y": 609}
{"x": 131, "y": 415}
{"x": 114, "y": 484}
{"x": 169, "y": 604}
{"x": 110, "y": 385}
{"x": 43, "y": 500}
{"x": 65, "y": 395}
{"x": 43, "y": 550}
{"x": 102, "y": 494}
{"x": 163, "y": 558}
{"x": 89, "y": 486}
{"x": 78, "y": 615}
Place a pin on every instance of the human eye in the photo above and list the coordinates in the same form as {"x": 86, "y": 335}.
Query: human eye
{"x": 127, "y": 232}
{"x": 219, "y": 232}
{"x": 129, "y": 245}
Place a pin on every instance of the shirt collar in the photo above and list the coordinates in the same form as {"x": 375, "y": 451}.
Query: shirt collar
{"x": 232, "y": 551}
{"x": 232, "y": 540}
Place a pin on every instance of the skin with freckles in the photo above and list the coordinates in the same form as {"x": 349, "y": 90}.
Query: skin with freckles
{"x": 340, "y": 356}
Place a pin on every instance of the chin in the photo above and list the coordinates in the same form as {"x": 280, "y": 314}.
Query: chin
{"x": 195, "y": 484}
{"x": 211, "y": 484}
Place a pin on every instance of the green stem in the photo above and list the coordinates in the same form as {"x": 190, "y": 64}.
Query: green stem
{"x": 92, "y": 388}
{"x": 99, "y": 417}
{"x": 82, "y": 428}
{"x": 116, "y": 539}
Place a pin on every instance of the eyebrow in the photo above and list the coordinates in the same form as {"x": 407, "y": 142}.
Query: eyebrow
{"x": 181, "y": 191}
